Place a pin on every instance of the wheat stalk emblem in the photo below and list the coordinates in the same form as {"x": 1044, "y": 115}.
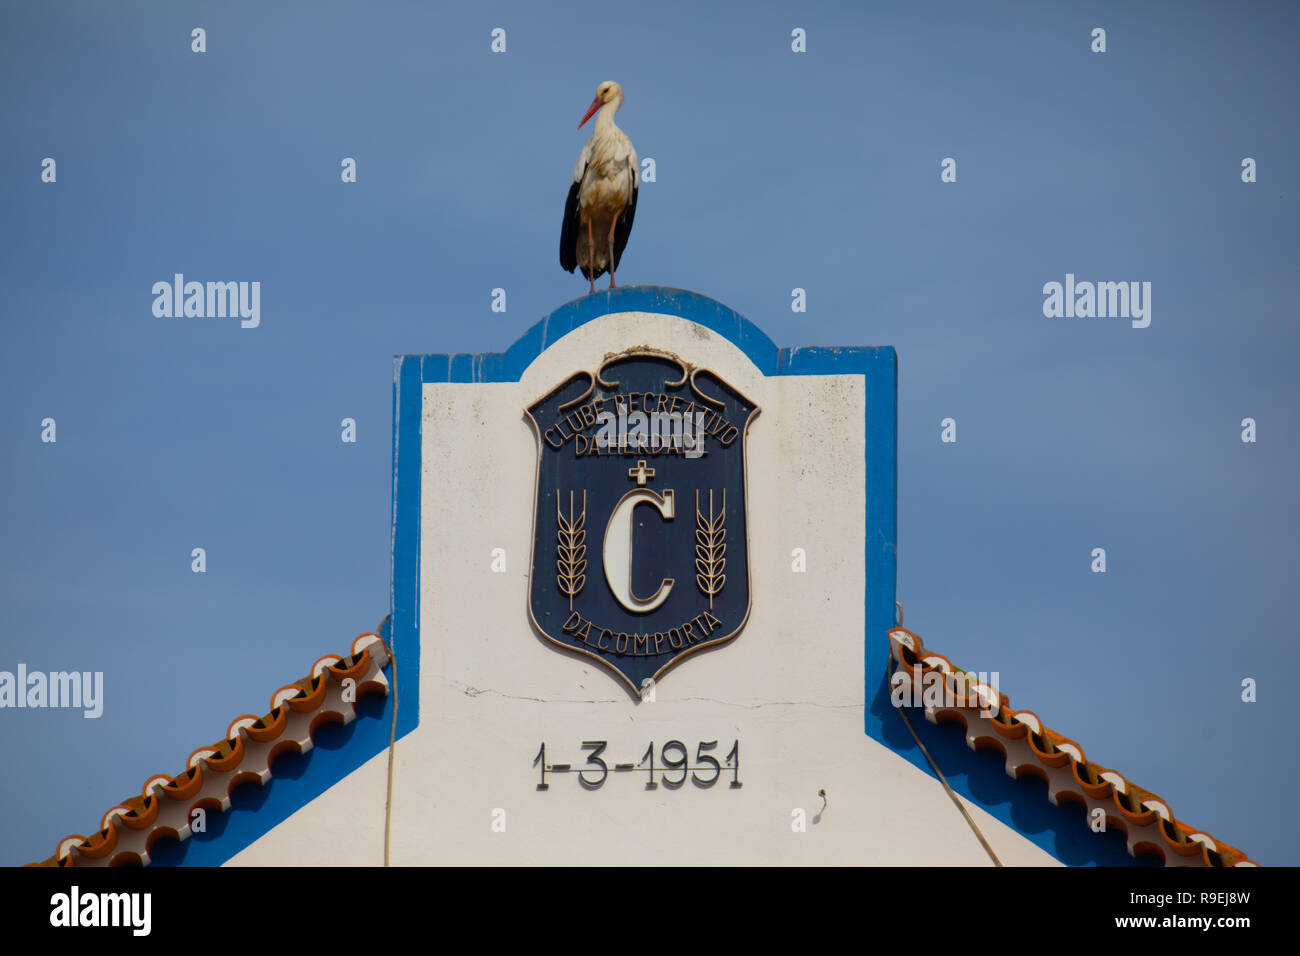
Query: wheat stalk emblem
{"x": 572, "y": 549}
{"x": 710, "y": 547}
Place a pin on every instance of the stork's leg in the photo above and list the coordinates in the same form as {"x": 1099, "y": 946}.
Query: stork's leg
{"x": 591, "y": 258}
{"x": 612, "y": 226}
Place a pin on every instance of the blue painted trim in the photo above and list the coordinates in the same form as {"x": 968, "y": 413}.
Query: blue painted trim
{"x": 1009, "y": 801}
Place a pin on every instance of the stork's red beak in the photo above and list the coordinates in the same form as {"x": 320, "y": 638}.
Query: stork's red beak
{"x": 591, "y": 110}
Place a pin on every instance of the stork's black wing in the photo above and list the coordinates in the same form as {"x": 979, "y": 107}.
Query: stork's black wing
{"x": 624, "y": 227}
{"x": 569, "y": 230}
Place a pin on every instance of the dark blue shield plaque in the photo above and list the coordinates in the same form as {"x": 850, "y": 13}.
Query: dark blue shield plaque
{"x": 640, "y": 546}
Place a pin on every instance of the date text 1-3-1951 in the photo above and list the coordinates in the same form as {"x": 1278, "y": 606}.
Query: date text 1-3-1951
{"x": 673, "y": 759}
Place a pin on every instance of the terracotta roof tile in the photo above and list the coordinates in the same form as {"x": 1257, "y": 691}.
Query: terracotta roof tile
{"x": 1032, "y": 748}
{"x": 128, "y": 831}
{"x": 164, "y": 807}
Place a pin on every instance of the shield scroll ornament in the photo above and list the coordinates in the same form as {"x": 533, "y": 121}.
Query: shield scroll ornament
{"x": 640, "y": 542}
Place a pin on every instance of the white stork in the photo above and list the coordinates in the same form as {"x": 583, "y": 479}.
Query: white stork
{"x": 602, "y": 199}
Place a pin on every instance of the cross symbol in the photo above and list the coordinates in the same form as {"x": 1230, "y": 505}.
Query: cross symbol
{"x": 640, "y": 472}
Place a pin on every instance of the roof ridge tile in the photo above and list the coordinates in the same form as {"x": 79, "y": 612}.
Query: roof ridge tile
{"x": 1031, "y": 747}
{"x": 129, "y": 830}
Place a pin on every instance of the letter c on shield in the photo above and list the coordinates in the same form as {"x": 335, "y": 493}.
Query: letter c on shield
{"x": 618, "y": 549}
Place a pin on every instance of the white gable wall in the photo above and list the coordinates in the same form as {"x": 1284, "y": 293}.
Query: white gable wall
{"x": 789, "y": 687}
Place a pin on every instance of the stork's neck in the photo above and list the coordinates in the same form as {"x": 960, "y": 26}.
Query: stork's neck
{"x": 605, "y": 118}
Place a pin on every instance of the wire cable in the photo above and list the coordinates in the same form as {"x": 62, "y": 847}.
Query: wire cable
{"x": 942, "y": 779}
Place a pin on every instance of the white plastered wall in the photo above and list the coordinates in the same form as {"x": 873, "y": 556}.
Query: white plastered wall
{"x": 789, "y": 687}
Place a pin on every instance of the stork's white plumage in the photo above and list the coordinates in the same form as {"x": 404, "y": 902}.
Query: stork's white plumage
{"x": 602, "y": 198}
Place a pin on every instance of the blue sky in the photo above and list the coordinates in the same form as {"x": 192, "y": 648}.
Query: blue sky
{"x": 775, "y": 170}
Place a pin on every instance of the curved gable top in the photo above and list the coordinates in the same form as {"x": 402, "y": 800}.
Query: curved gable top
{"x": 509, "y": 365}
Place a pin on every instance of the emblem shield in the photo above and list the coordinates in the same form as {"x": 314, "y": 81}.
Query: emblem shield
{"x": 640, "y": 541}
